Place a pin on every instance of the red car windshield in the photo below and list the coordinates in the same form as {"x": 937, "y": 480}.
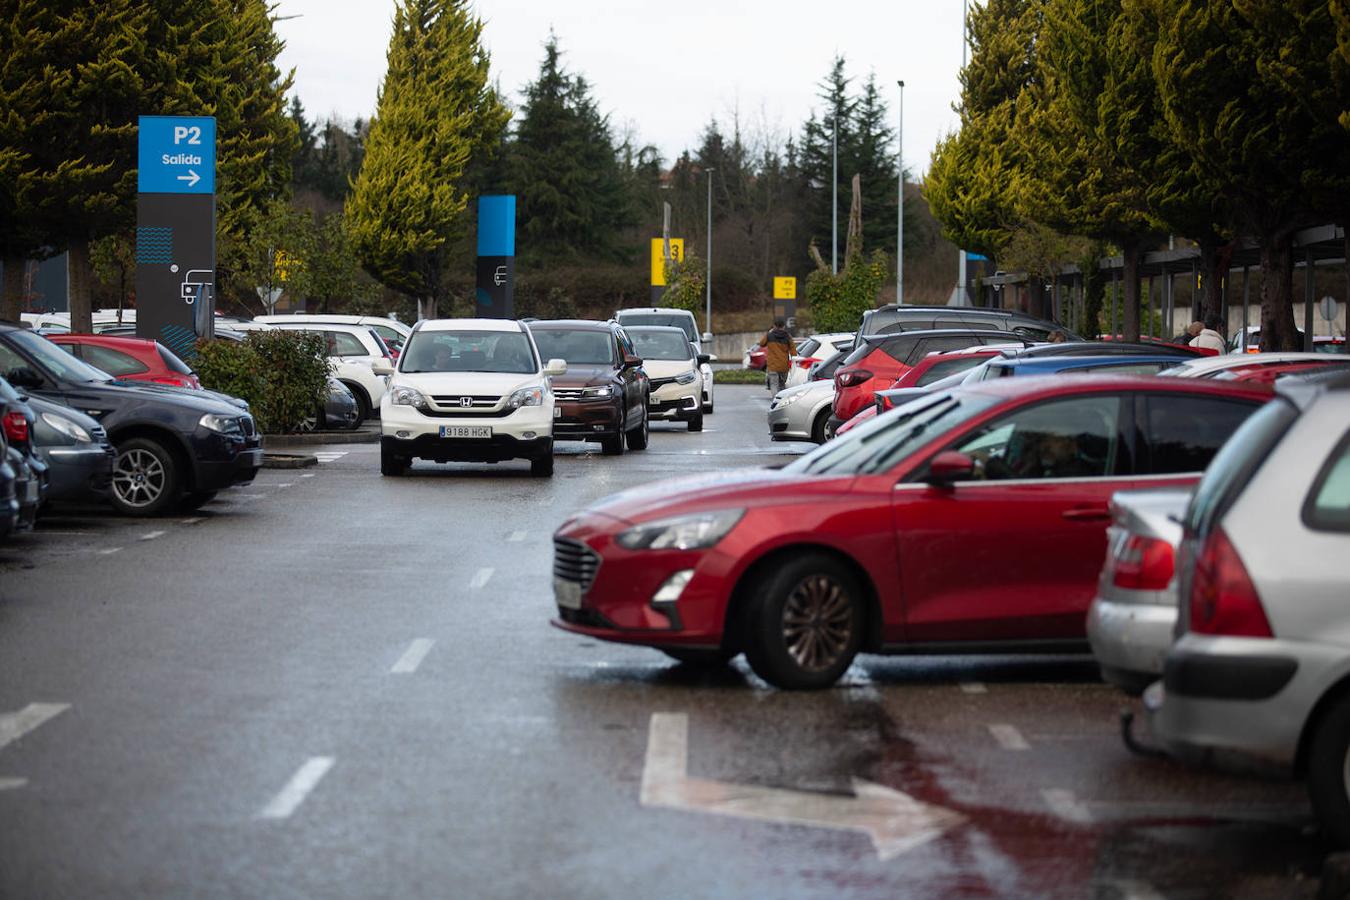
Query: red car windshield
{"x": 886, "y": 440}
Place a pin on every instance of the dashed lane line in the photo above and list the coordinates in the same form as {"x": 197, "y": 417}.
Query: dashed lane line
{"x": 517, "y": 536}
{"x": 973, "y": 687}
{"x": 10, "y": 784}
{"x": 481, "y": 578}
{"x": 16, "y": 724}
{"x": 1063, "y": 804}
{"x": 151, "y": 535}
{"x": 412, "y": 657}
{"x": 1008, "y": 737}
{"x": 192, "y": 521}
{"x": 302, "y": 783}
{"x": 109, "y": 551}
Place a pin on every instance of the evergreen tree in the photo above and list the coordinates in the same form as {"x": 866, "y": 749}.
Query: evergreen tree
{"x": 435, "y": 113}
{"x": 816, "y": 156}
{"x": 872, "y": 157}
{"x": 564, "y": 169}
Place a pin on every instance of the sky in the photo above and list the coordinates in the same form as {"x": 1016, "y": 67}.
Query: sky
{"x": 661, "y": 71}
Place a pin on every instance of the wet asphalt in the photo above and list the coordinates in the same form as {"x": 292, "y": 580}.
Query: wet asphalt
{"x": 334, "y": 684}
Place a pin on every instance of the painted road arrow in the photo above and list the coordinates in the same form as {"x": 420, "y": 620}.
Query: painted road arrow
{"x": 893, "y": 820}
{"x": 191, "y": 178}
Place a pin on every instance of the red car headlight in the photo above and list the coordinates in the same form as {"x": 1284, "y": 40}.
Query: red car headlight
{"x": 697, "y": 531}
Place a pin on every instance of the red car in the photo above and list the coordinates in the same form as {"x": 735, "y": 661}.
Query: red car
{"x": 756, "y": 358}
{"x": 130, "y": 359}
{"x": 884, "y": 358}
{"x": 975, "y": 520}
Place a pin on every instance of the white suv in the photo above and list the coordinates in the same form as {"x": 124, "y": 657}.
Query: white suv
{"x": 670, "y": 317}
{"x": 469, "y": 390}
{"x": 354, "y": 351}
{"x": 672, "y": 364}
{"x": 392, "y": 331}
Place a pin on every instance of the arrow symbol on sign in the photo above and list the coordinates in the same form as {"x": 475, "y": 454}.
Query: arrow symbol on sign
{"x": 895, "y": 821}
{"x": 191, "y": 178}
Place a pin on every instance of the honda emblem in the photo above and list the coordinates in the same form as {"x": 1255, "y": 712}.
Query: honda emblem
{"x": 466, "y": 402}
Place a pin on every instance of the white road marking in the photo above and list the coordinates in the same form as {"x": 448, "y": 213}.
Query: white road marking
{"x": 481, "y": 578}
{"x": 517, "y": 536}
{"x": 412, "y": 657}
{"x": 16, "y": 724}
{"x": 192, "y": 521}
{"x": 1063, "y": 804}
{"x": 151, "y": 535}
{"x": 109, "y": 551}
{"x": 1008, "y": 737}
{"x": 895, "y": 821}
{"x": 10, "y": 784}
{"x": 1133, "y": 889}
{"x": 304, "y": 781}
{"x": 308, "y": 475}
{"x": 284, "y": 484}
{"x": 973, "y": 687}
{"x": 327, "y": 456}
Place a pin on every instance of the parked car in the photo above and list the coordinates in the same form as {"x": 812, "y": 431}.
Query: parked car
{"x": 30, "y": 487}
{"x": 470, "y": 390}
{"x": 393, "y": 332}
{"x": 1259, "y": 674}
{"x": 354, "y": 351}
{"x": 130, "y": 359}
{"x": 968, "y": 521}
{"x": 801, "y": 413}
{"x": 339, "y": 410}
{"x": 9, "y": 480}
{"x": 77, "y": 452}
{"x": 756, "y": 358}
{"x": 604, "y": 394}
{"x": 684, "y": 320}
{"x": 1134, "y": 614}
{"x": 674, "y": 366}
{"x": 895, "y": 318}
{"x": 175, "y": 448}
{"x": 877, "y": 361}
{"x": 1215, "y": 366}
{"x": 812, "y": 350}
{"x": 1116, "y": 364}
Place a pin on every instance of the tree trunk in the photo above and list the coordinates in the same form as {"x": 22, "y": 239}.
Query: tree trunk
{"x": 79, "y": 289}
{"x": 1129, "y": 325}
{"x": 1278, "y": 331}
{"x": 11, "y": 293}
{"x": 855, "y": 241}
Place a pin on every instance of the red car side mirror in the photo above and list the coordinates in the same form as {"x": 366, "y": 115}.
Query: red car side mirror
{"x": 948, "y": 467}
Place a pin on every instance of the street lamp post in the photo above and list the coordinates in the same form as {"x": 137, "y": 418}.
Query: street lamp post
{"x": 900, "y": 207}
{"x": 961, "y": 265}
{"x": 707, "y": 321}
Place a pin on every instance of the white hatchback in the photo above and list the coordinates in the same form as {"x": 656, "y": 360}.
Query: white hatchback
{"x": 354, "y": 351}
{"x": 469, "y": 390}
{"x": 673, "y": 364}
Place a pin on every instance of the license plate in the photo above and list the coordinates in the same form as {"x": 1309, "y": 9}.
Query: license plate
{"x": 466, "y": 431}
{"x": 557, "y": 412}
{"x": 567, "y": 593}
{"x": 253, "y": 458}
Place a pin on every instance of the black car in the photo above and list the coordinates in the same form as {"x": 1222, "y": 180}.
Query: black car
{"x": 175, "y": 448}
{"x": 18, "y": 422}
{"x": 77, "y": 452}
{"x": 605, "y": 393}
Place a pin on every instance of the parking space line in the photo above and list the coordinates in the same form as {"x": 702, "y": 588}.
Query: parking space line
{"x": 151, "y": 535}
{"x": 480, "y": 578}
{"x": 412, "y": 657}
{"x": 308, "y": 475}
{"x": 192, "y": 521}
{"x": 9, "y": 784}
{"x": 109, "y": 551}
{"x": 283, "y": 484}
{"x": 1008, "y": 737}
{"x": 1063, "y": 804}
{"x": 973, "y": 687}
{"x": 15, "y": 725}
{"x": 306, "y": 778}
{"x": 517, "y": 536}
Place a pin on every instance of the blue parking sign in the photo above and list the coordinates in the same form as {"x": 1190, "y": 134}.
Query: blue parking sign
{"x": 177, "y": 155}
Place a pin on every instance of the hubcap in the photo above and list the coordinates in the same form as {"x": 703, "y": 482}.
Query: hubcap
{"x": 138, "y": 478}
{"x": 817, "y": 622}
{"x": 308, "y": 424}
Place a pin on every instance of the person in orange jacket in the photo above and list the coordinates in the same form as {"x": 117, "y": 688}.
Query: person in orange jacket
{"x": 779, "y": 348}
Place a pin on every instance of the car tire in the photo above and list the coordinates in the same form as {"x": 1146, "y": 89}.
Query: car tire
{"x": 542, "y": 466}
{"x": 1329, "y": 772}
{"x": 195, "y": 500}
{"x": 362, "y": 402}
{"x": 392, "y": 464}
{"x": 700, "y": 658}
{"x": 696, "y": 421}
{"x": 612, "y": 446}
{"x": 639, "y": 437}
{"x": 817, "y": 599}
{"x": 830, "y": 430}
{"x": 147, "y": 478}
{"x": 819, "y": 425}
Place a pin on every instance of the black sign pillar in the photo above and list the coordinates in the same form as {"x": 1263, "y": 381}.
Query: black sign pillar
{"x": 496, "y": 275}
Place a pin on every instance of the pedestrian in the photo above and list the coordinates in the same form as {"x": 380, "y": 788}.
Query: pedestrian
{"x": 1209, "y": 337}
{"x": 1189, "y": 332}
{"x": 779, "y": 348}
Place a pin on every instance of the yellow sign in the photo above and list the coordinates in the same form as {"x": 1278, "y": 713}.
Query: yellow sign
{"x": 659, "y": 258}
{"x": 784, "y": 288}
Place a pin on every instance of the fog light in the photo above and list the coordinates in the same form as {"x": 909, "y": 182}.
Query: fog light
{"x": 528, "y": 435}
{"x": 597, "y": 428}
{"x": 673, "y": 587}
{"x": 403, "y": 434}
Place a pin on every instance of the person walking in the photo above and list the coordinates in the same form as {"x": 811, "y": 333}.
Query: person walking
{"x": 1210, "y": 338}
{"x": 779, "y": 348}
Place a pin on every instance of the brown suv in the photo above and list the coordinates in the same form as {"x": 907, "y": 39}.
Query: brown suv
{"x": 603, "y": 397}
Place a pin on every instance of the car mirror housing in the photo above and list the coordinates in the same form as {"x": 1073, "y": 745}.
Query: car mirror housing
{"x": 631, "y": 362}
{"x": 707, "y": 337}
{"x": 556, "y": 367}
{"x": 704, "y": 359}
{"x": 950, "y": 466}
{"x": 380, "y": 367}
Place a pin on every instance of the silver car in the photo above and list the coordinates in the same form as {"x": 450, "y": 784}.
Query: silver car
{"x": 800, "y": 413}
{"x": 1260, "y": 675}
{"x": 1132, "y": 619}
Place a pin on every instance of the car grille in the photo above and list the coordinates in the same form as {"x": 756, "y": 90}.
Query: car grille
{"x": 661, "y": 382}
{"x": 574, "y": 561}
{"x": 567, "y": 393}
{"x": 246, "y": 425}
{"x": 476, "y": 402}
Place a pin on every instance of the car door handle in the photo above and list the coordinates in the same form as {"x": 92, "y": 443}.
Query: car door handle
{"x": 1087, "y": 514}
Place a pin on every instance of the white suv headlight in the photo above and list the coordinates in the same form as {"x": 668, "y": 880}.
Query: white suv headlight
{"x": 693, "y": 532}
{"x": 403, "y": 395}
{"x": 686, "y": 377}
{"x": 526, "y": 396}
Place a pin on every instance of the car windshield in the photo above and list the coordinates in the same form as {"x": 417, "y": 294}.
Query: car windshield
{"x": 887, "y": 439}
{"x": 58, "y": 363}
{"x": 667, "y": 320}
{"x": 469, "y": 351}
{"x": 579, "y": 347}
{"x": 662, "y": 345}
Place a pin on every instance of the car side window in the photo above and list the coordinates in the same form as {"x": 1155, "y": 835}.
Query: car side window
{"x": 1183, "y": 433}
{"x": 1078, "y": 437}
{"x": 344, "y": 344}
{"x": 9, "y": 361}
{"x": 114, "y": 362}
{"x": 941, "y": 370}
{"x": 1328, "y": 505}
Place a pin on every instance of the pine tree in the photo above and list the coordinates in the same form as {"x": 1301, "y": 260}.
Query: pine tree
{"x": 872, "y": 157}
{"x": 435, "y": 113}
{"x": 563, "y": 168}
{"x": 816, "y": 159}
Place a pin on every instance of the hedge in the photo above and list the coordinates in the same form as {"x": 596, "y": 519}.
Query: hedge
{"x": 282, "y": 374}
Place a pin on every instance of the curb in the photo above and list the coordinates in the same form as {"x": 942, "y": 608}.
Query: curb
{"x": 316, "y": 438}
{"x": 289, "y": 461}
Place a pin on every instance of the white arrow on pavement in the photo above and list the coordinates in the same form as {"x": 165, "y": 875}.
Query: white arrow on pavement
{"x": 16, "y": 724}
{"x": 191, "y": 178}
{"x": 893, "y": 820}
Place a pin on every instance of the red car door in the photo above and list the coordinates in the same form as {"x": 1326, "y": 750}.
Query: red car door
{"x": 1014, "y": 553}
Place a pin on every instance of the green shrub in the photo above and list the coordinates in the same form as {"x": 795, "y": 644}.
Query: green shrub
{"x": 738, "y": 376}
{"x": 839, "y": 301}
{"x": 282, "y": 374}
